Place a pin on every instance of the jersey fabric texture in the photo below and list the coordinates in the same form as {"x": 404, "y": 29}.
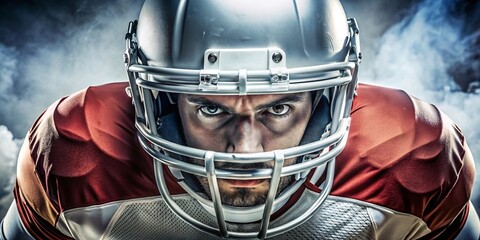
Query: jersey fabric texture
{"x": 406, "y": 172}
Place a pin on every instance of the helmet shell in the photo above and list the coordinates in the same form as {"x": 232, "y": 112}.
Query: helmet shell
{"x": 177, "y": 33}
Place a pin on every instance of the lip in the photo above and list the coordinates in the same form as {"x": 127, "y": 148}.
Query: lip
{"x": 243, "y": 183}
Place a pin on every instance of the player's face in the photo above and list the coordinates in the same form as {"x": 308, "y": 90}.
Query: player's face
{"x": 244, "y": 124}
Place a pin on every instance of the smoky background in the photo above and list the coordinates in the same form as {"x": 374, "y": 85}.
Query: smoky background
{"x": 52, "y": 48}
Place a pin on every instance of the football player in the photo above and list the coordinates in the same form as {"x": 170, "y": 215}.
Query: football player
{"x": 243, "y": 119}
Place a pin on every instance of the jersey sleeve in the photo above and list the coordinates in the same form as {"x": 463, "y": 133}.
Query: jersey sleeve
{"x": 37, "y": 210}
{"x": 447, "y": 210}
{"x": 408, "y": 156}
{"x": 81, "y": 151}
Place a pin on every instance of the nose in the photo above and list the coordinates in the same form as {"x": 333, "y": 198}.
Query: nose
{"x": 245, "y": 136}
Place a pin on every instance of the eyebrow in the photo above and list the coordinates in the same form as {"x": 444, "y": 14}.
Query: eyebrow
{"x": 291, "y": 98}
{"x": 199, "y": 100}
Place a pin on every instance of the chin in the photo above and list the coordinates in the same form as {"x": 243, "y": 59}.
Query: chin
{"x": 244, "y": 197}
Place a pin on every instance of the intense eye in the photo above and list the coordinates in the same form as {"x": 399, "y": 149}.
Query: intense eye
{"x": 279, "y": 110}
{"x": 211, "y": 110}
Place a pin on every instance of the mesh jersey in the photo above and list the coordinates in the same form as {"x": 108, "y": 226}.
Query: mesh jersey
{"x": 406, "y": 172}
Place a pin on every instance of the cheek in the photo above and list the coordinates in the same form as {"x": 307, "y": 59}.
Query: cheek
{"x": 200, "y": 135}
{"x": 287, "y": 133}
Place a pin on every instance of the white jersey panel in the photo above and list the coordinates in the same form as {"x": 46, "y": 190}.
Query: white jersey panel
{"x": 150, "y": 218}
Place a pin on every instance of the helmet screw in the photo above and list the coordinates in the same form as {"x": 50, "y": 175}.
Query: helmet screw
{"x": 212, "y": 57}
{"x": 277, "y": 57}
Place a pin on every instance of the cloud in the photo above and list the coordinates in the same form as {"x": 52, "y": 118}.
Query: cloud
{"x": 49, "y": 49}
{"x": 9, "y": 147}
{"x": 63, "y": 47}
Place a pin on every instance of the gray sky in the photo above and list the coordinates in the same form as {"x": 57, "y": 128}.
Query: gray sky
{"x": 51, "y": 48}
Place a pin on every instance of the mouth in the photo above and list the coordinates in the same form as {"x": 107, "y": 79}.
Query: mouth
{"x": 243, "y": 183}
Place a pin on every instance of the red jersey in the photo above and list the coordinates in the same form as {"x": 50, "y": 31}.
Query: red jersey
{"x": 405, "y": 172}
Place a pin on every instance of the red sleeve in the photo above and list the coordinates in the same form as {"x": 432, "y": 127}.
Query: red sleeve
{"x": 406, "y": 155}
{"x": 94, "y": 156}
{"x": 448, "y": 217}
{"x": 82, "y": 151}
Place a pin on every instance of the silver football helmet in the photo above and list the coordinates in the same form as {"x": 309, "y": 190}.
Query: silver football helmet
{"x": 242, "y": 47}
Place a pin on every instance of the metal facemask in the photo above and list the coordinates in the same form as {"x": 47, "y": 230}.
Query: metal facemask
{"x": 241, "y": 48}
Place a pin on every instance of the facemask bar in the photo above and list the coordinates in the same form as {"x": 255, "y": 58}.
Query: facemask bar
{"x": 130, "y": 58}
{"x": 259, "y": 81}
{"x": 147, "y": 138}
{"x": 162, "y": 160}
{"x": 264, "y": 232}
{"x": 342, "y": 75}
{"x": 355, "y": 57}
